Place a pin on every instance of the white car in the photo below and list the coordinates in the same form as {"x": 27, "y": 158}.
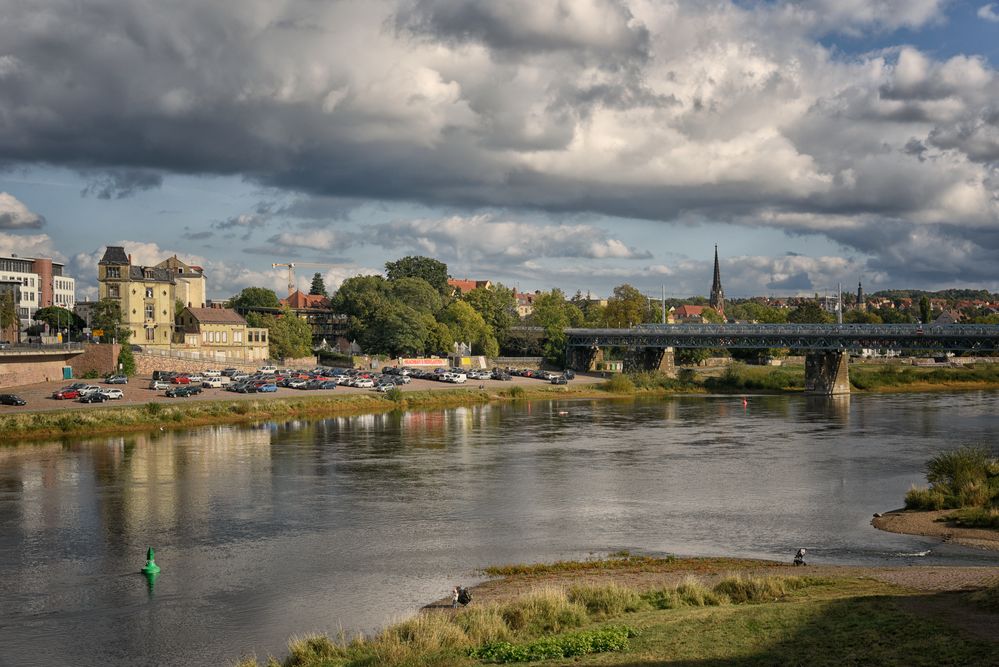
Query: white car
{"x": 363, "y": 383}
{"x": 196, "y": 378}
{"x": 211, "y": 374}
{"x": 113, "y": 394}
{"x": 89, "y": 389}
{"x": 159, "y": 384}
{"x": 215, "y": 382}
{"x": 269, "y": 370}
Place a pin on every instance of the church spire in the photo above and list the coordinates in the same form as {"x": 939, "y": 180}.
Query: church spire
{"x": 717, "y": 300}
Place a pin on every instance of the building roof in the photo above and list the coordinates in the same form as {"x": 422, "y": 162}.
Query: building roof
{"x": 299, "y": 299}
{"x": 465, "y": 286}
{"x": 114, "y": 254}
{"x": 688, "y": 311}
{"x": 216, "y": 315}
{"x": 138, "y": 273}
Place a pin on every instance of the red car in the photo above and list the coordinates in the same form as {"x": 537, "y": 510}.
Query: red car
{"x": 181, "y": 379}
{"x": 66, "y": 394}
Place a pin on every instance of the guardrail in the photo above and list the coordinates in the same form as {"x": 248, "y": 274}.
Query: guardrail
{"x": 35, "y": 347}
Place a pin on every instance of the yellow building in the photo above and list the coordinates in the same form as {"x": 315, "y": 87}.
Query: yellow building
{"x": 189, "y": 280}
{"x": 220, "y": 334}
{"x": 146, "y": 294}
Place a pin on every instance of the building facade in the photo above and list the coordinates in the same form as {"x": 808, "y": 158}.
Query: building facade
{"x": 189, "y": 280}
{"x": 220, "y": 334}
{"x": 43, "y": 284}
{"x": 146, "y": 294}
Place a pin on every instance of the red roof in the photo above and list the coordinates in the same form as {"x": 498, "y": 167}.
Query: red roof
{"x": 299, "y": 299}
{"x": 466, "y": 286}
{"x": 688, "y": 311}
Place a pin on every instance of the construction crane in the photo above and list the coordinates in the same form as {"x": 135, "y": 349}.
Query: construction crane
{"x": 291, "y": 271}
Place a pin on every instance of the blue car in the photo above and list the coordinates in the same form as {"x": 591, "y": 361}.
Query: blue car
{"x": 264, "y": 388}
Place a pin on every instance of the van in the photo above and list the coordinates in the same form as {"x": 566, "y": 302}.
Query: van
{"x": 215, "y": 382}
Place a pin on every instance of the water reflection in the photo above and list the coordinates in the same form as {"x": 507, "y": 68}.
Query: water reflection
{"x": 291, "y": 526}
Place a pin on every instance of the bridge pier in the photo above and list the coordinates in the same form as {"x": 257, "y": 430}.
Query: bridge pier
{"x": 583, "y": 358}
{"x": 651, "y": 359}
{"x": 827, "y": 373}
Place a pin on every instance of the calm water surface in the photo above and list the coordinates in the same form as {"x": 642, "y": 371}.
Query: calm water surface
{"x": 274, "y": 530}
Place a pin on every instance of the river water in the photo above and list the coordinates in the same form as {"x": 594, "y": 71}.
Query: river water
{"x": 281, "y": 528}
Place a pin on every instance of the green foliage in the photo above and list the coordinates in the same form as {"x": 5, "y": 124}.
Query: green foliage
{"x": 562, "y": 646}
{"x": 254, "y": 297}
{"x": 986, "y": 598}
{"x": 107, "y": 317}
{"x": 515, "y": 391}
{"x": 498, "y": 308}
{"x": 606, "y": 601}
{"x": 91, "y": 374}
{"x": 924, "y": 309}
{"x": 178, "y": 306}
{"x": 467, "y": 326}
{"x": 394, "y": 394}
{"x": 964, "y": 477}
{"x": 619, "y": 384}
{"x": 126, "y": 361}
{"x": 690, "y": 356}
{"x": 554, "y": 314}
{"x": 809, "y": 312}
{"x": 430, "y": 270}
{"x": 861, "y": 317}
{"x": 59, "y": 318}
{"x": 742, "y": 589}
{"x": 752, "y": 311}
{"x": 739, "y": 377}
{"x": 288, "y": 335}
{"x": 8, "y": 311}
{"x": 628, "y": 307}
{"x": 976, "y": 517}
{"x": 318, "y": 286}
{"x": 153, "y": 409}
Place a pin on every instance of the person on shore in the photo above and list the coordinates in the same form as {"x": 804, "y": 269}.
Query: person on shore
{"x": 454, "y": 596}
{"x": 799, "y": 557}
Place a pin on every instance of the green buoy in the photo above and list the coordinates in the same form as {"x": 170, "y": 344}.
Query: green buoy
{"x": 151, "y": 567}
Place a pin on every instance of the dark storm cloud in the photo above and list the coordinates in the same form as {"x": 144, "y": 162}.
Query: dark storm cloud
{"x": 796, "y": 283}
{"x": 121, "y": 183}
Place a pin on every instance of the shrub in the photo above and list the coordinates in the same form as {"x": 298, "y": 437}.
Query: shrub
{"x": 91, "y": 374}
{"x": 964, "y": 477}
{"x": 544, "y": 611}
{"x": 977, "y": 517}
{"x": 516, "y": 392}
{"x": 394, "y": 394}
{"x": 620, "y": 384}
{"x": 606, "y": 601}
{"x": 564, "y": 646}
{"x": 153, "y": 409}
{"x": 311, "y": 649}
{"x": 241, "y": 408}
{"x": 482, "y": 624}
{"x": 758, "y": 589}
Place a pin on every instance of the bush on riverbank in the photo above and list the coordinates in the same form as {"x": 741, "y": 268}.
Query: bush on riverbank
{"x": 740, "y": 377}
{"x": 967, "y": 477}
{"x": 875, "y": 376}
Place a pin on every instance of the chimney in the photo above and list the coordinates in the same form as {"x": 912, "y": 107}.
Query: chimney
{"x": 129, "y": 258}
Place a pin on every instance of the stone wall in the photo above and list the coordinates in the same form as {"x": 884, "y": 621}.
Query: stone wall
{"x": 145, "y": 364}
{"x": 19, "y": 367}
{"x": 101, "y": 358}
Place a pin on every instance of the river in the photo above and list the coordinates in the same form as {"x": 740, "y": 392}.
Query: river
{"x": 263, "y": 532}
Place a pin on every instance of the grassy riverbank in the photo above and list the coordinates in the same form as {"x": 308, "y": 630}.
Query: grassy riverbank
{"x": 736, "y": 378}
{"x": 732, "y": 612}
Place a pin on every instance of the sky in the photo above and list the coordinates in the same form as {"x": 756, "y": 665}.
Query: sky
{"x": 579, "y": 144}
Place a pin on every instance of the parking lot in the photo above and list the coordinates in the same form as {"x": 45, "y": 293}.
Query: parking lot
{"x": 39, "y": 396}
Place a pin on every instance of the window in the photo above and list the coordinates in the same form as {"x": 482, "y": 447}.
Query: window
{"x": 150, "y": 311}
{"x": 113, "y": 291}
{"x": 31, "y": 282}
{"x": 263, "y": 336}
{"x": 150, "y": 334}
{"x": 237, "y": 336}
{"x": 149, "y": 292}
{"x": 225, "y": 337}
{"x": 113, "y": 272}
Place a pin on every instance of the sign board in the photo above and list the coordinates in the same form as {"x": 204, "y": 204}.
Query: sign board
{"x": 432, "y": 362}
{"x": 98, "y": 332}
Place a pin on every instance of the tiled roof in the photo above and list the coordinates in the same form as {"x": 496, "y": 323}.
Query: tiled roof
{"x": 688, "y": 311}
{"x": 216, "y": 315}
{"x": 158, "y": 275}
{"x": 299, "y": 299}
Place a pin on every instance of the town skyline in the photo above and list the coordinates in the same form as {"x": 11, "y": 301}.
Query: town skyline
{"x": 817, "y": 143}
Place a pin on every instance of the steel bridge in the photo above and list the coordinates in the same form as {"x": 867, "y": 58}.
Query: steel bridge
{"x": 805, "y": 337}
{"x": 826, "y": 346}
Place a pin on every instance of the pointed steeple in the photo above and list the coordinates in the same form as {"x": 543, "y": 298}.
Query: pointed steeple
{"x": 717, "y": 300}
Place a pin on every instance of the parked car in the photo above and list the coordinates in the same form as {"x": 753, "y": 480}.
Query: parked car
{"x": 267, "y": 388}
{"x": 93, "y": 397}
{"x": 180, "y": 379}
{"x": 269, "y": 370}
{"x": 363, "y": 383}
{"x": 215, "y": 382}
{"x": 112, "y": 394}
{"x": 559, "y": 380}
{"x": 211, "y": 374}
{"x": 66, "y": 394}
{"x": 328, "y": 384}
{"x": 116, "y": 379}
{"x": 569, "y": 374}
{"x": 159, "y": 384}
{"x": 89, "y": 389}
{"x": 11, "y": 399}
{"x": 229, "y": 372}
{"x": 196, "y": 378}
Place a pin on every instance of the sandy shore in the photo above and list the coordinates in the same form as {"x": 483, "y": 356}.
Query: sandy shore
{"x": 931, "y": 524}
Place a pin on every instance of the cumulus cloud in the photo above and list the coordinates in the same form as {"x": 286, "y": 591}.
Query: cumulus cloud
{"x": 723, "y": 111}
{"x": 29, "y": 245}
{"x": 15, "y": 215}
{"x": 988, "y": 12}
{"x": 482, "y": 237}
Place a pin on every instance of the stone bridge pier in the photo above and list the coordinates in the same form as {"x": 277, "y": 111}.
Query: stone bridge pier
{"x": 651, "y": 359}
{"x": 827, "y": 374}
{"x": 583, "y": 358}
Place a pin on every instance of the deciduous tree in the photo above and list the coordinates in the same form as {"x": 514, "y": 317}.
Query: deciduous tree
{"x": 416, "y": 266}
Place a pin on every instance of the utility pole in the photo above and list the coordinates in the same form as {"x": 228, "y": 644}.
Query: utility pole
{"x": 839, "y": 303}
{"x": 664, "y": 303}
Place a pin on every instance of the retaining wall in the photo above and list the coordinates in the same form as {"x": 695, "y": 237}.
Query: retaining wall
{"x": 101, "y": 358}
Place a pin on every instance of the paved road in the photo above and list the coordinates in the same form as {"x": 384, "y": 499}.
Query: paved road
{"x": 38, "y": 396}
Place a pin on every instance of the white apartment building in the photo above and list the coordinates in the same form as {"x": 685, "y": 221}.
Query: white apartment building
{"x": 43, "y": 284}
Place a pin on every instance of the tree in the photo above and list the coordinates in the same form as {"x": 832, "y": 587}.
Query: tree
{"x": 178, "y": 306}
{"x": 59, "y": 318}
{"x": 809, "y": 312}
{"x": 254, "y": 297}
{"x": 8, "y": 312}
{"x": 924, "y": 309}
{"x": 318, "y": 286}
{"x": 757, "y": 312}
{"x": 467, "y": 326}
{"x": 417, "y": 293}
{"x": 626, "y": 308}
{"x": 498, "y": 307}
{"x": 126, "y": 361}
{"x": 107, "y": 318}
{"x": 861, "y": 317}
{"x": 416, "y": 266}
{"x": 289, "y": 336}
{"x": 553, "y": 313}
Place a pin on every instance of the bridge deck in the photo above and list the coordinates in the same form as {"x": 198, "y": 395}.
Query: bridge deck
{"x": 843, "y": 337}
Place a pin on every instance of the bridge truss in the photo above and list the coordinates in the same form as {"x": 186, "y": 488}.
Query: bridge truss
{"x": 978, "y": 338}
